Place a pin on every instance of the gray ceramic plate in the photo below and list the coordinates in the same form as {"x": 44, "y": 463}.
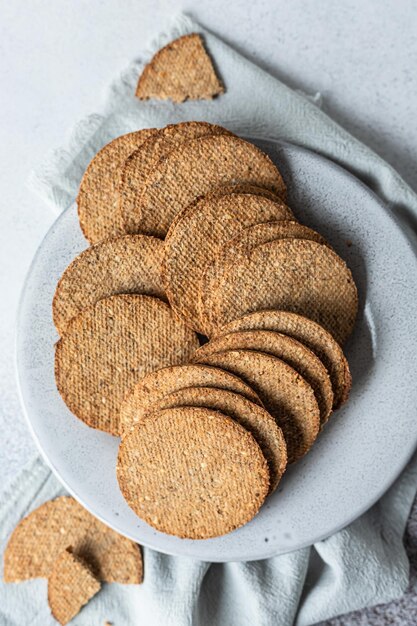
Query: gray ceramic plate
{"x": 363, "y": 448}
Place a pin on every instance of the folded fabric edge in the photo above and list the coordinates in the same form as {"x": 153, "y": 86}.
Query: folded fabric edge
{"x": 42, "y": 180}
{"x": 58, "y": 163}
{"x": 33, "y": 473}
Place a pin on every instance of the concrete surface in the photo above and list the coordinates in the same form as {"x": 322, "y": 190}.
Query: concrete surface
{"x": 56, "y": 59}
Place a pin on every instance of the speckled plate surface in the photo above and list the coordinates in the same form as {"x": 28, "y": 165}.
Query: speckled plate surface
{"x": 364, "y": 446}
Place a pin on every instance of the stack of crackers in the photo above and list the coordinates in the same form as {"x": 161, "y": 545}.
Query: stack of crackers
{"x": 203, "y": 325}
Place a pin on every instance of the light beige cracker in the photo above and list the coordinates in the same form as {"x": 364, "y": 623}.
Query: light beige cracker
{"x": 239, "y": 247}
{"x": 109, "y": 347}
{"x": 196, "y": 168}
{"x": 40, "y": 537}
{"x": 71, "y": 584}
{"x": 182, "y": 70}
{"x": 98, "y": 206}
{"x": 294, "y": 275}
{"x": 141, "y": 162}
{"x": 157, "y": 385}
{"x": 298, "y": 356}
{"x": 284, "y": 393}
{"x": 129, "y": 264}
{"x": 251, "y": 416}
{"x": 197, "y": 235}
{"x": 311, "y": 335}
{"x": 192, "y": 472}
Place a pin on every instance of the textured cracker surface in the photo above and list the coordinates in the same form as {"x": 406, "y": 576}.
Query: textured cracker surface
{"x": 141, "y": 162}
{"x": 249, "y": 415}
{"x": 295, "y": 275}
{"x": 192, "y": 472}
{"x": 181, "y": 70}
{"x": 98, "y": 207}
{"x": 239, "y": 247}
{"x": 196, "y": 236}
{"x": 198, "y": 167}
{"x": 41, "y": 536}
{"x": 129, "y": 264}
{"x": 155, "y": 386}
{"x": 71, "y": 584}
{"x": 109, "y": 347}
{"x": 311, "y": 334}
{"x": 238, "y": 189}
{"x": 284, "y": 393}
{"x": 298, "y": 356}
{"x": 247, "y": 188}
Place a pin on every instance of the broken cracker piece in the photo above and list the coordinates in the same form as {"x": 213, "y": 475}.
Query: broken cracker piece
{"x": 180, "y": 71}
{"x": 40, "y": 537}
{"x": 71, "y": 585}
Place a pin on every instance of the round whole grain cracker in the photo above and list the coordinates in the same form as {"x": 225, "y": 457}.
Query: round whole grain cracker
{"x": 41, "y": 536}
{"x": 180, "y": 70}
{"x": 297, "y": 355}
{"x": 192, "y": 472}
{"x": 251, "y": 416}
{"x": 71, "y": 584}
{"x": 109, "y": 347}
{"x": 294, "y": 275}
{"x": 196, "y": 168}
{"x": 128, "y": 264}
{"x": 311, "y": 334}
{"x": 196, "y": 236}
{"x": 239, "y": 247}
{"x": 140, "y": 163}
{"x": 168, "y": 380}
{"x": 284, "y": 393}
{"x": 97, "y": 200}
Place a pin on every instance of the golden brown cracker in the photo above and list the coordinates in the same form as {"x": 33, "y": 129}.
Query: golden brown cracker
{"x": 40, "y": 537}
{"x": 196, "y": 168}
{"x": 197, "y": 235}
{"x": 109, "y": 347}
{"x": 311, "y": 334}
{"x": 141, "y": 162}
{"x": 128, "y": 264}
{"x": 192, "y": 472}
{"x": 170, "y": 379}
{"x": 251, "y": 416}
{"x": 97, "y": 200}
{"x": 71, "y": 584}
{"x": 284, "y": 393}
{"x": 297, "y": 355}
{"x": 239, "y": 247}
{"x": 182, "y": 70}
{"x": 294, "y": 275}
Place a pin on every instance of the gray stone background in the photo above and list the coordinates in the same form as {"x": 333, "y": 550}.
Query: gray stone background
{"x": 57, "y": 57}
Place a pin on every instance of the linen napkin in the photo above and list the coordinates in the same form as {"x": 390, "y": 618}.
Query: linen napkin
{"x": 362, "y": 565}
